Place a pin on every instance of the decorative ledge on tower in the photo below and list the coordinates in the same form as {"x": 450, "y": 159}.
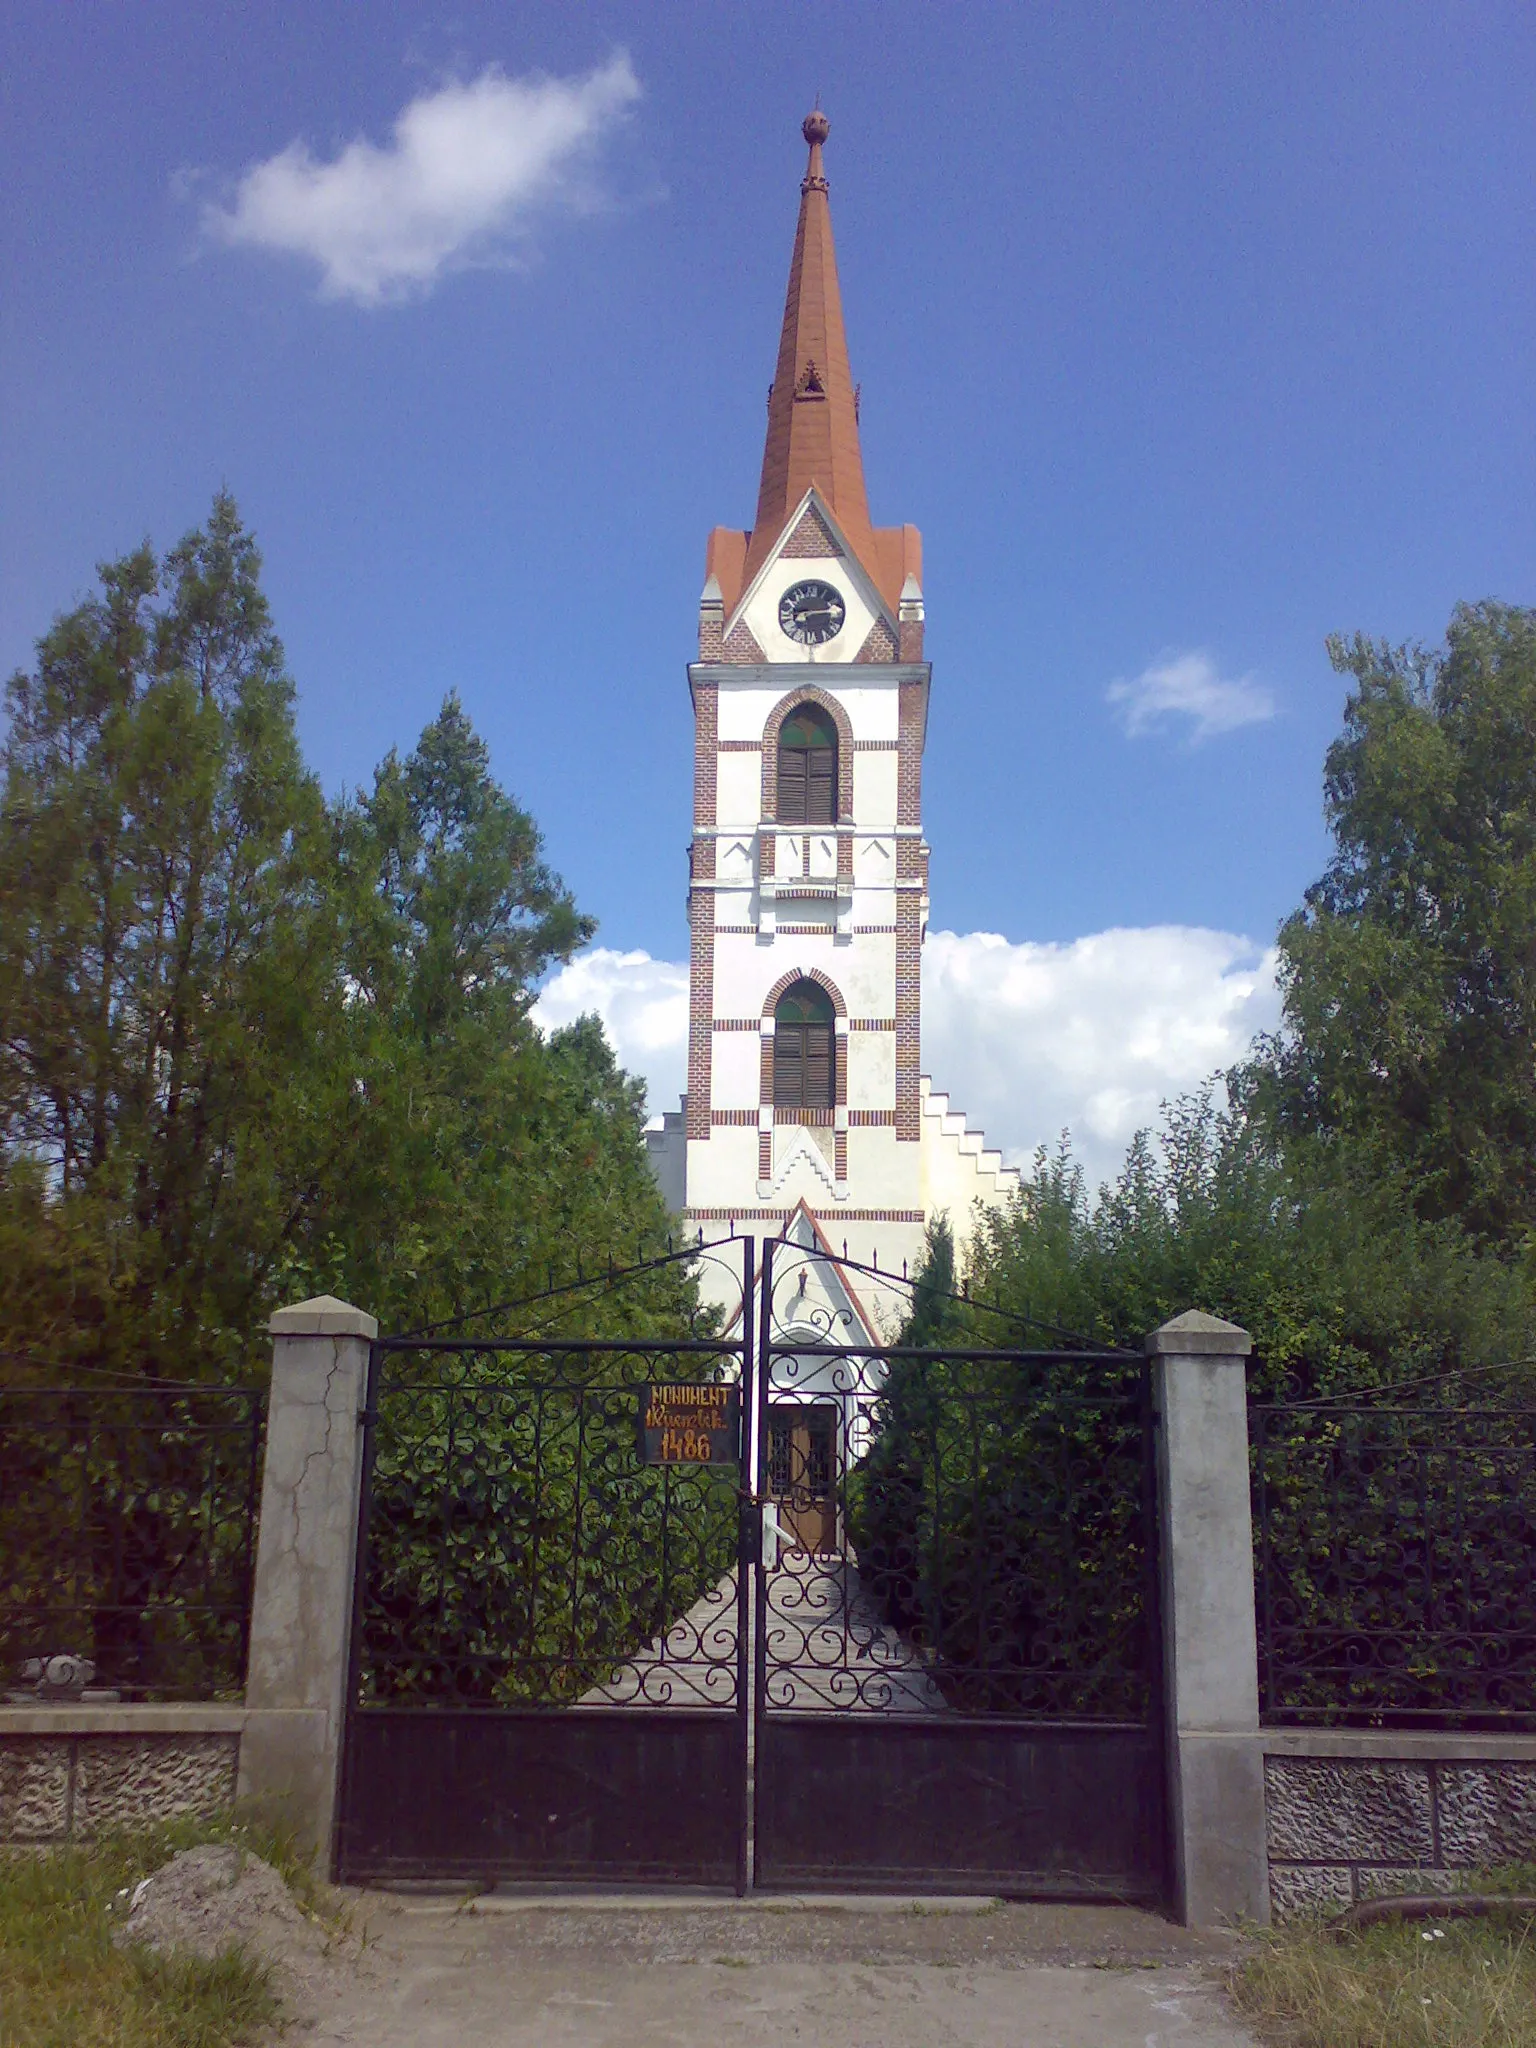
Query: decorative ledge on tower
{"x": 711, "y": 621}
{"x": 911, "y": 618}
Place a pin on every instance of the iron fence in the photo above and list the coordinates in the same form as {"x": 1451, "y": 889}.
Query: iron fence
{"x": 1394, "y": 1553}
{"x": 128, "y": 1534}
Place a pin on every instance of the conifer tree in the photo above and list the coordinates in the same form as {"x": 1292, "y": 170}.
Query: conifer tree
{"x": 168, "y": 944}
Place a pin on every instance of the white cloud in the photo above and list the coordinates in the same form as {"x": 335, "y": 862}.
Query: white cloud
{"x": 1091, "y": 1035}
{"x": 1190, "y": 686}
{"x": 644, "y": 1007}
{"x": 467, "y": 169}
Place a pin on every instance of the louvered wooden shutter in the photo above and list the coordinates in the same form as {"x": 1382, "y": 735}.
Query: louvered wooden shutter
{"x": 792, "y": 785}
{"x": 818, "y": 1066}
{"x": 789, "y": 1066}
{"x": 821, "y": 786}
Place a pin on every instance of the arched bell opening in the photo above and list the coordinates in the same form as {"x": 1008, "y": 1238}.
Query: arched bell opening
{"x": 807, "y": 768}
{"x": 804, "y": 1048}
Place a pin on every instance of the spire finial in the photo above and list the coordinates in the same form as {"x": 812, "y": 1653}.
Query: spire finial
{"x": 815, "y": 128}
{"x": 813, "y": 431}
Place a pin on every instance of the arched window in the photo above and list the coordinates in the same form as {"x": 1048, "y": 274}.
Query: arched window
{"x": 807, "y": 768}
{"x": 804, "y": 1073}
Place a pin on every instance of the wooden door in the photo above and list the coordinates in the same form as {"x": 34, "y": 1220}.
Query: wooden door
{"x": 802, "y": 1470}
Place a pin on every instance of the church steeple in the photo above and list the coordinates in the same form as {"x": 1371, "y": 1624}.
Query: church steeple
{"x": 813, "y": 425}
{"x": 806, "y": 1110}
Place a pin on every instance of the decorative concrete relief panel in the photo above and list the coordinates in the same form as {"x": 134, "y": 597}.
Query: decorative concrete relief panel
{"x": 1348, "y": 1810}
{"x": 1393, "y": 1880}
{"x": 125, "y": 1781}
{"x": 874, "y": 862}
{"x": 1298, "y": 1889}
{"x": 1360, "y": 1827}
{"x": 34, "y": 1788}
{"x": 736, "y": 859}
{"x": 1487, "y": 1812}
{"x": 823, "y": 855}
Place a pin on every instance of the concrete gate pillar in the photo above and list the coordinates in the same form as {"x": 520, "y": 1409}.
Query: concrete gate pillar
{"x": 301, "y": 1605}
{"x": 1210, "y": 1637}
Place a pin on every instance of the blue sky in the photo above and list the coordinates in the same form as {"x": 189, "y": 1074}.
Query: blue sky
{"x": 1186, "y": 334}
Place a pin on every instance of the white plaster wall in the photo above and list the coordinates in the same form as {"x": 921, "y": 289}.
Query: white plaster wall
{"x": 739, "y": 789}
{"x": 883, "y": 1174}
{"x": 890, "y": 1244}
{"x": 873, "y": 707}
{"x": 735, "y": 1070}
{"x": 802, "y": 1167}
{"x": 742, "y": 975}
{"x": 746, "y": 696}
{"x": 742, "y": 704}
{"x": 722, "y": 1170}
{"x": 871, "y": 1069}
{"x": 862, "y": 969}
{"x": 894, "y": 1245}
{"x": 869, "y": 982}
{"x": 874, "y": 788}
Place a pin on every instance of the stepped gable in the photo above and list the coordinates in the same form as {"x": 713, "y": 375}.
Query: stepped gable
{"x": 947, "y": 1127}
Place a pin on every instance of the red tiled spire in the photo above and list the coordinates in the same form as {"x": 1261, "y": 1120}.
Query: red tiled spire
{"x": 813, "y": 428}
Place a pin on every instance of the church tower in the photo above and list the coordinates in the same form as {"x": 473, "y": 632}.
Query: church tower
{"x": 808, "y": 876}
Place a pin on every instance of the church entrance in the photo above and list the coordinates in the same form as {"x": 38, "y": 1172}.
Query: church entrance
{"x": 802, "y": 1449}
{"x": 756, "y": 1610}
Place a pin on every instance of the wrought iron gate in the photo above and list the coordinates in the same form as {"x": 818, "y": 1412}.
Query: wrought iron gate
{"x": 957, "y": 1641}
{"x": 549, "y": 1667}
{"x": 908, "y": 1640}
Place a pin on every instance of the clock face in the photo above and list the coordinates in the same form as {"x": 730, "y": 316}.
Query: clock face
{"x": 811, "y": 613}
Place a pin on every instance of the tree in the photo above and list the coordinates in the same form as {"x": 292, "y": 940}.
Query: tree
{"x": 1409, "y": 977}
{"x": 1354, "y": 1205}
{"x": 254, "y": 1046}
{"x": 1340, "y": 1282}
{"x": 479, "y": 1160}
{"x": 168, "y": 943}
{"x": 996, "y": 1515}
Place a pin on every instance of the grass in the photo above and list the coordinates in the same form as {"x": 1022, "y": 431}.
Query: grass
{"x": 1430, "y": 1984}
{"x": 63, "y": 1984}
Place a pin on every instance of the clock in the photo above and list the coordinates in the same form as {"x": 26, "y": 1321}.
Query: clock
{"x": 811, "y": 613}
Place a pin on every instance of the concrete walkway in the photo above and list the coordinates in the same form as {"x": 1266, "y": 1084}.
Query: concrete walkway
{"x": 517, "y": 1973}
{"x": 828, "y": 1650}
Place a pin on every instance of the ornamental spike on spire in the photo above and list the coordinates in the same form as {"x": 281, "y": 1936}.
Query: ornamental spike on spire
{"x": 813, "y": 423}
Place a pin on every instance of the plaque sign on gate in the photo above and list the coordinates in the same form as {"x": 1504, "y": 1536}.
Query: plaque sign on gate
{"x": 690, "y": 1425}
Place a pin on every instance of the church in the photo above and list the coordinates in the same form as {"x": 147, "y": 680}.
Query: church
{"x": 807, "y": 1110}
